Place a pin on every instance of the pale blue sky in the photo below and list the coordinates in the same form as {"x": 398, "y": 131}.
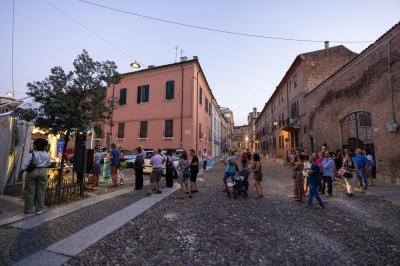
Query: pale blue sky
{"x": 242, "y": 71}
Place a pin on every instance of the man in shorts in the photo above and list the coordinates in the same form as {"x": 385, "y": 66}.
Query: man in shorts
{"x": 230, "y": 170}
{"x": 156, "y": 162}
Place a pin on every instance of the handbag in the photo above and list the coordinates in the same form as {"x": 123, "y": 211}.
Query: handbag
{"x": 32, "y": 164}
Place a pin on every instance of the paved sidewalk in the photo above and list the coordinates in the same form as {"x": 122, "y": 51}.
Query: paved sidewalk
{"x": 212, "y": 229}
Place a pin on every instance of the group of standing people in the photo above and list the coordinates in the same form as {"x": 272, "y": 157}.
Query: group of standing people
{"x": 315, "y": 174}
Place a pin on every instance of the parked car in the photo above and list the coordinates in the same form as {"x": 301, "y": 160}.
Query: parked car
{"x": 179, "y": 152}
{"x": 130, "y": 157}
{"x": 147, "y": 166}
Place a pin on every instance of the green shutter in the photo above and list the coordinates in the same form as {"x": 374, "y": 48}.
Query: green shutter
{"x": 169, "y": 90}
{"x": 121, "y": 130}
{"x": 139, "y": 94}
{"x": 122, "y": 96}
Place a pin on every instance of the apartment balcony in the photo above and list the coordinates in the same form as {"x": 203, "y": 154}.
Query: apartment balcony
{"x": 291, "y": 123}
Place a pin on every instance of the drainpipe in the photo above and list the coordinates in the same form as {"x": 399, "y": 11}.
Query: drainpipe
{"x": 182, "y": 107}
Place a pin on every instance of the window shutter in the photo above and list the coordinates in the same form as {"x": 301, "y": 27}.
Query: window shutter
{"x": 169, "y": 128}
{"x": 122, "y": 96}
{"x": 139, "y": 94}
{"x": 121, "y": 130}
{"x": 146, "y": 93}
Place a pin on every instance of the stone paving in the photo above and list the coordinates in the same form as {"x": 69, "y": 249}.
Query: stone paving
{"x": 16, "y": 244}
{"x": 212, "y": 229}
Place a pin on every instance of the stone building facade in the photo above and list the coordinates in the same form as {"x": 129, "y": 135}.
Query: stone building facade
{"x": 279, "y": 126}
{"x": 359, "y": 106}
{"x": 240, "y": 138}
{"x": 251, "y": 129}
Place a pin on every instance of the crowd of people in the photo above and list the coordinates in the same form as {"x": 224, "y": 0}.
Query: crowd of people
{"x": 314, "y": 175}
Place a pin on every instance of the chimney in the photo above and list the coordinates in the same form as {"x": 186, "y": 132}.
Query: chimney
{"x": 151, "y": 66}
{"x": 184, "y": 58}
{"x": 326, "y": 45}
{"x": 254, "y": 111}
{"x": 195, "y": 57}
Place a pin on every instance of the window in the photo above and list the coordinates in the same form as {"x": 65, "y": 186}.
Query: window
{"x": 143, "y": 129}
{"x": 122, "y": 96}
{"x": 143, "y": 94}
{"x": 206, "y": 104}
{"x": 170, "y": 90}
{"x": 294, "y": 110}
{"x": 365, "y": 119}
{"x": 291, "y": 84}
{"x": 209, "y": 108}
{"x": 169, "y": 128}
{"x": 201, "y": 96}
{"x": 295, "y": 81}
{"x": 121, "y": 130}
{"x": 200, "y": 134}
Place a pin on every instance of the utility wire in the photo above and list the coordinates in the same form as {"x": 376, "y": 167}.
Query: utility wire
{"x": 89, "y": 29}
{"x": 213, "y": 29}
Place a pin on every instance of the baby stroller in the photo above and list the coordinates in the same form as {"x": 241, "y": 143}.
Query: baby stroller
{"x": 240, "y": 184}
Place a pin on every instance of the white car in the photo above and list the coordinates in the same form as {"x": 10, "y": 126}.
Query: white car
{"x": 147, "y": 166}
{"x": 130, "y": 158}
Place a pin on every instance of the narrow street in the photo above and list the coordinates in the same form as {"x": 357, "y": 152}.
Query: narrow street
{"x": 214, "y": 229}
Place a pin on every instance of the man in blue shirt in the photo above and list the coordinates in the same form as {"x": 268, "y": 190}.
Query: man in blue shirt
{"x": 362, "y": 163}
{"x": 328, "y": 168}
{"x": 114, "y": 164}
{"x": 314, "y": 181}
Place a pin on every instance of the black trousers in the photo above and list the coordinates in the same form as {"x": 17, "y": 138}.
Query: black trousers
{"x": 139, "y": 179}
{"x": 169, "y": 177}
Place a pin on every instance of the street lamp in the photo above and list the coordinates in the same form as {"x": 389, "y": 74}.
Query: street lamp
{"x": 135, "y": 64}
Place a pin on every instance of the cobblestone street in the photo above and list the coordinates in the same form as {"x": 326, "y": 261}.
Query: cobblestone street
{"x": 211, "y": 229}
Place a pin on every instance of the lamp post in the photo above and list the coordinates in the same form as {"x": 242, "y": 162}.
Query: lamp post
{"x": 135, "y": 64}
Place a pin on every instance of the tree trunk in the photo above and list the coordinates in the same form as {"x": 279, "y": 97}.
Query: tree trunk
{"x": 60, "y": 171}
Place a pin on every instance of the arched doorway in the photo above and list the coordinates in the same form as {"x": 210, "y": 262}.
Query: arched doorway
{"x": 357, "y": 132}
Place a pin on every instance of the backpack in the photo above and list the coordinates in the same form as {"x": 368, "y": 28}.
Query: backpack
{"x": 244, "y": 157}
{"x": 32, "y": 164}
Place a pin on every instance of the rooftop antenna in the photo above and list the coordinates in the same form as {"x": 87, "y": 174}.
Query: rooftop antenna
{"x": 176, "y": 52}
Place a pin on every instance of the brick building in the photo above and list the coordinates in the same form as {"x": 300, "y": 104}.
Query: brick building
{"x": 359, "y": 106}
{"x": 278, "y": 127}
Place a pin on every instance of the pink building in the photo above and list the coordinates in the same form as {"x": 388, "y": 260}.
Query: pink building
{"x": 163, "y": 107}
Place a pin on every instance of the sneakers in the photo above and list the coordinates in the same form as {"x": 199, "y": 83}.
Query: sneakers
{"x": 159, "y": 192}
{"x": 194, "y": 191}
{"x": 148, "y": 194}
{"x": 40, "y": 212}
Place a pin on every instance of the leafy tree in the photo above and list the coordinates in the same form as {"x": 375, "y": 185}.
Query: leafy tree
{"x": 72, "y": 102}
